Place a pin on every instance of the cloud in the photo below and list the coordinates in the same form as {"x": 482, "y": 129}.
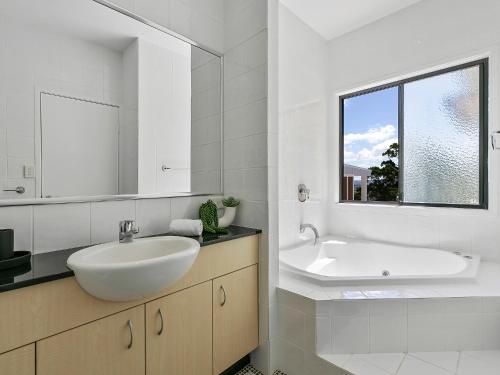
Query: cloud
{"x": 369, "y": 157}
{"x": 373, "y": 135}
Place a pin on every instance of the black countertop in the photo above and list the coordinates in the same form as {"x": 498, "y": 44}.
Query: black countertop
{"x": 52, "y": 265}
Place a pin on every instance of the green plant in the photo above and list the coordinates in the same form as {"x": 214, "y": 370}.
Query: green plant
{"x": 230, "y": 202}
{"x": 384, "y": 180}
{"x": 210, "y": 219}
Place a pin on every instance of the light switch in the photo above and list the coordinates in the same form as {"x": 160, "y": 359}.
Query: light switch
{"x": 29, "y": 171}
{"x": 495, "y": 141}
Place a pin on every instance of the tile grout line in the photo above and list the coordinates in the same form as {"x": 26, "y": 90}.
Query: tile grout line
{"x": 401, "y": 364}
{"x": 458, "y": 362}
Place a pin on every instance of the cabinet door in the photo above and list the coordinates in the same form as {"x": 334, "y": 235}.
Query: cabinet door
{"x": 179, "y": 333}
{"x": 109, "y": 346}
{"x": 19, "y": 361}
{"x": 236, "y": 317}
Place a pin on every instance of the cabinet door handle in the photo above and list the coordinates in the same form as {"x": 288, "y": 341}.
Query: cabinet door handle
{"x": 161, "y": 321}
{"x": 130, "y": 327}
{"x": 18, "y": 190}
{"x": 223, "y": 302}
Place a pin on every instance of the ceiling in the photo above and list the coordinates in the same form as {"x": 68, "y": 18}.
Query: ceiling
{"x": 86, "y": 20}
{"x": 332, "y": 18}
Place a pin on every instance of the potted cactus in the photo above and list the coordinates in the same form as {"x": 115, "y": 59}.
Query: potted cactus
{"x": 230, "y": 204}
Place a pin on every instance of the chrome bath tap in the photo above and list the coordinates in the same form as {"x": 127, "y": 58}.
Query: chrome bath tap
{"x": 303, "y": 228}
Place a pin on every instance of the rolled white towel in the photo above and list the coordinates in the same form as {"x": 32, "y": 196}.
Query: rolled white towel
{"x": 185, "y": 227}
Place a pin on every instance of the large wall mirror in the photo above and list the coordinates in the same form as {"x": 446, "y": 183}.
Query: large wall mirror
{"x": 97, "y": 104}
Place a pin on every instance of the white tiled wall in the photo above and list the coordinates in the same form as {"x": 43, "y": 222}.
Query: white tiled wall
{"x": 61, "y": 226}
{"x": 247, "y": 166}
{"x": 302, "y": 126}
{"x": 387, "y": 49}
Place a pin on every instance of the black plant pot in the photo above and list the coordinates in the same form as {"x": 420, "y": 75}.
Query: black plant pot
{"x": 6, "y": 243}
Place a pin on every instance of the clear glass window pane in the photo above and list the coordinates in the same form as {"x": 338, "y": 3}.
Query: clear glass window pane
{"x": 371, "y": 146}
{"x": 441, "y": 139}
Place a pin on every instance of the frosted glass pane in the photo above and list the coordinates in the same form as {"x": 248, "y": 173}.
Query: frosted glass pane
{"x": 441, "y": 139}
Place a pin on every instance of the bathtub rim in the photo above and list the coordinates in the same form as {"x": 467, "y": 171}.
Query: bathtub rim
{"x": 469, "y": 274}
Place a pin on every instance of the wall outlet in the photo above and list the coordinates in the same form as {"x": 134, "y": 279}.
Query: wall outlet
{"x": 29, "y": 171}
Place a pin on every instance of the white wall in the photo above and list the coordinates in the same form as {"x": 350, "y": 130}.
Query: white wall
{"x": 297, "y": 77}
{"x": 248, "y": 167}
{"x": 164, "y": 134}
{"x": 302, "y": 126}
{"x": 424, "y": 36}
{"x": 199, "y": 20}
{"x": 129, "y": 116}
{"x": 33, "y": 60}
{"x": 206, "y": 132}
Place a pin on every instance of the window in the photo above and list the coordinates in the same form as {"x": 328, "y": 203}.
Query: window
{"x": 420, "y": 141}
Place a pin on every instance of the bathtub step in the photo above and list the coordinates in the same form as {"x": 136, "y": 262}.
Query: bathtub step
{"x": 431, "y": 363}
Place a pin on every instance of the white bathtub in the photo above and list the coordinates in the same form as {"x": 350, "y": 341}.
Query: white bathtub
{"x": 342, "y": 259}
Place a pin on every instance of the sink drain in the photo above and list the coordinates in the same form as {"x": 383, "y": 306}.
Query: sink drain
{"x": 386, "y": 273}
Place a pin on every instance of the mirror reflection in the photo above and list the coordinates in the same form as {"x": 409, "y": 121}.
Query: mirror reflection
{"x": 95, "y": 103}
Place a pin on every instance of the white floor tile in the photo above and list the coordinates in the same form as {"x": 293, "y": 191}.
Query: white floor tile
{"x": 490, "y": 356}
{"x": 475, "y": 365}
{"x": 337, "y": 359}
{"x": 386, "y": 361}
{"x": 357, "y": 366}
{"x": 414, "y": 366}
{"x": 445, "y": 360}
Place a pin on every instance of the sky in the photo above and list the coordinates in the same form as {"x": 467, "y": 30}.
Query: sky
{"x": 370, "y": 127}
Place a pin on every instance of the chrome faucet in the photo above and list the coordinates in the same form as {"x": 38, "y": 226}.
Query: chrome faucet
{"x": 127, "y": 231}
{"x": 303, "y": 228}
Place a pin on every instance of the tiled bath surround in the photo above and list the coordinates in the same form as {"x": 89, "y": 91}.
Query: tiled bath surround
{"x": 336, "y": 329}
{"x": 408, "y": 325}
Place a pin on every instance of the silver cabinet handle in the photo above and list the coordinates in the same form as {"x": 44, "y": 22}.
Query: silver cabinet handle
{"x": 223, "y": 302}
{"x": 18, "y": 190}
{"x": 161, "y": 321}
{"x": 130, "y": 327}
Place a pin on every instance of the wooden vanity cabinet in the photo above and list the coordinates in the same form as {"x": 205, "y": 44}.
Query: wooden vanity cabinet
{"x": 19, "y": 361}
{"x": 201, "y": 325}
{"x": 109, "y": 346}
{"x": 235, "y": 317}
{"x": 179, "y": 333}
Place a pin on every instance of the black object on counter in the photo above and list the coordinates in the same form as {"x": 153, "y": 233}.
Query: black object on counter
{"x": 6, "y": 244}
{"x": 18, "y": 258}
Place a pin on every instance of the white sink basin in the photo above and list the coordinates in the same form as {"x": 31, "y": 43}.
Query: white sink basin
{"x": 127, "y": 271}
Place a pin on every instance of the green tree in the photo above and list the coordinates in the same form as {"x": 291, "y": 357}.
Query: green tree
{"x": 383, "y": 184}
